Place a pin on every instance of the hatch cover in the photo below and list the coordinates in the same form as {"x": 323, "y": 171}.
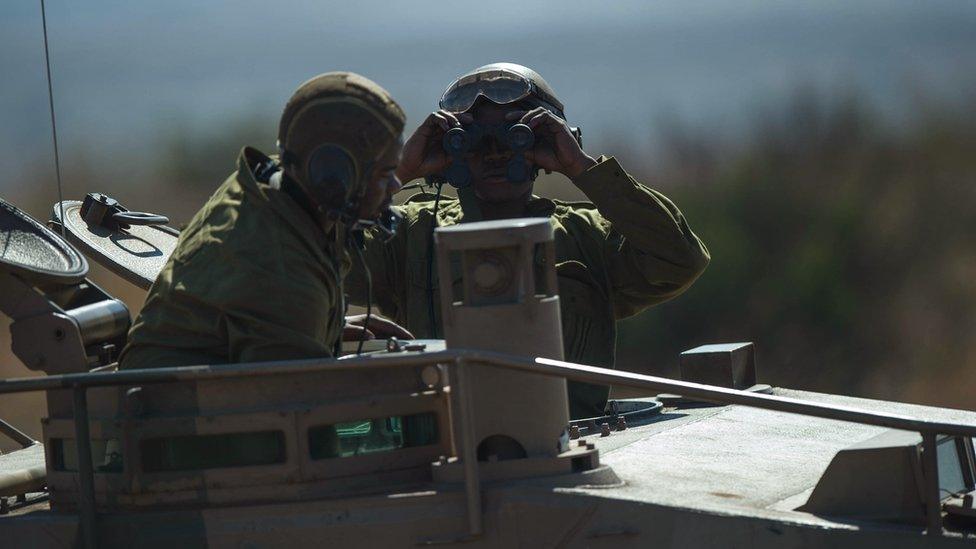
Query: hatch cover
{"x": 35, "y": 252}
{"x": 126, "y": 244}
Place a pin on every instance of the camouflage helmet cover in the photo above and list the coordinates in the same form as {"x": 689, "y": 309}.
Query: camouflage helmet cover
{"x": 339, "y": 111}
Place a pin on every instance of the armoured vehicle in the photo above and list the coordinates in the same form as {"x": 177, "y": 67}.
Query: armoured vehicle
{"x": 461, "y": 441}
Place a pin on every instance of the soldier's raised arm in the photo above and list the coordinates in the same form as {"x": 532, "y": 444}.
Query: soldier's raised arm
{"x": 651, "y": 251}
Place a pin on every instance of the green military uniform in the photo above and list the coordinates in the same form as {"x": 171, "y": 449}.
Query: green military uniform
{"x": 627, "y": 250}
{"x": 254, "y": 277}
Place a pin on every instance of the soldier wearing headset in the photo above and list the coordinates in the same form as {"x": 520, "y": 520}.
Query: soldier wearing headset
{"x": 258, "y": 272}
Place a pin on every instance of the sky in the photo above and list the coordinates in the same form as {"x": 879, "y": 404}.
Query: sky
{"x": 126, "y": 73}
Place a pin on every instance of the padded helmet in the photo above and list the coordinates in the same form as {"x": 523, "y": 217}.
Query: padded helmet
{"x": 332, "y": 131}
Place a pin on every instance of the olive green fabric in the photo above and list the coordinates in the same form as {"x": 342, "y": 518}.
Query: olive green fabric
{"x": 252, "y": 278}
{"x": 627, "y": 250}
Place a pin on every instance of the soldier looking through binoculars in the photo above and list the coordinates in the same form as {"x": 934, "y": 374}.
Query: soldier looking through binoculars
{"x": 496, "y": 128}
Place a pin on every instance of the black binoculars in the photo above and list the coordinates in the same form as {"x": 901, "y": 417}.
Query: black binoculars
{"x": 458, "y": 141}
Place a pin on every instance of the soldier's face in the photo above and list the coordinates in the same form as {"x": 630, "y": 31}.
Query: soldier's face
{"x": 382, "y": 184}
{"x": 489, "y": 164}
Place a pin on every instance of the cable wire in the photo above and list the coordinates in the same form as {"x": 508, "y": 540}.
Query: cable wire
{"x": 369, "y": 291}
{"x": 54, "y": 125}
{"x": 430, "y": 263}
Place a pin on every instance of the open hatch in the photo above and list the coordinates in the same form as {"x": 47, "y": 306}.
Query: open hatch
{"x": 133, "y": 245}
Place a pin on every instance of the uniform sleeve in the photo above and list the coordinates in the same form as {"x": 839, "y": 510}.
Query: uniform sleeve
{"x": 263, "y": 333}
{"x": 651, "y": 252}
{"x": 276, "y": 306}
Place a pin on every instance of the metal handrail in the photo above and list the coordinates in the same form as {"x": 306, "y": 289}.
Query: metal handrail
{"x": 16, "y": 434}
{"x": 542, "y": 366}
{"x": 80, "y": 382}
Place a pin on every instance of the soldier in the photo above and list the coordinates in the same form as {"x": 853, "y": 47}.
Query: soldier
{"x": 258, "y": 272}
{"x": 628, "y": 249}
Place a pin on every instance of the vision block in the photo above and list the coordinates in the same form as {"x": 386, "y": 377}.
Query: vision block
{"x": 730, "y": 365}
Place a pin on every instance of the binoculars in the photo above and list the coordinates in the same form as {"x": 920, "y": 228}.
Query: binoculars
{"x": 458, "y": 141}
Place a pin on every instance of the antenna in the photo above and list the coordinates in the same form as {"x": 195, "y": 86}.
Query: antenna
{"x": 54, "y": 125}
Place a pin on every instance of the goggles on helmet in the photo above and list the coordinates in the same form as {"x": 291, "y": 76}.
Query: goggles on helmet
{"x": 498, "y": 86}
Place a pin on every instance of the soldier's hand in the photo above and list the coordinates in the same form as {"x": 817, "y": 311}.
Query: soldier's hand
{"x": 556, "y": 149}
{"x": 379, "y": 327}
{"x": 423, "y": 153}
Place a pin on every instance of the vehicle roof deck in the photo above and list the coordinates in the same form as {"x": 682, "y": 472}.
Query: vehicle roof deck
{"x": 741, "y": 460}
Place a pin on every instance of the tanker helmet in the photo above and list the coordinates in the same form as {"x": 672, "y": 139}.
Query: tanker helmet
{"x": 501, "y": 83}
{"x": 332, "y": 131}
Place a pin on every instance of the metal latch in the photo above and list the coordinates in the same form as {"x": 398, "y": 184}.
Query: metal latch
{"x": 102, "y": 210}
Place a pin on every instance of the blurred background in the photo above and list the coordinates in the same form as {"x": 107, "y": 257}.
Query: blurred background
{"x": 824, "y": 150}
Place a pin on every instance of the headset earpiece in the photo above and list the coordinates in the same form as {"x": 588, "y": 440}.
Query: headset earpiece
{"x": 330, "y": 173}
{"x": 330, "y": 165}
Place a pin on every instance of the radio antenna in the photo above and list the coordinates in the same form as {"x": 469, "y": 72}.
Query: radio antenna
{"x": 54, "y": 124}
